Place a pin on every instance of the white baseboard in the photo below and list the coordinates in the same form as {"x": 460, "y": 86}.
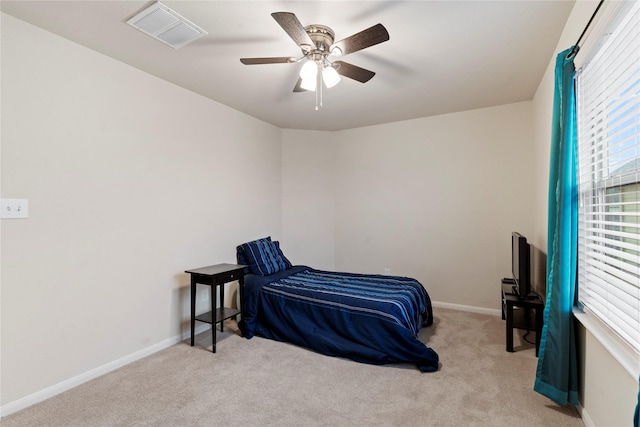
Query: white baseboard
{"x": 56, "y": 389}
{"x": 469, "y": 308}
{"x": 588, "y": 422}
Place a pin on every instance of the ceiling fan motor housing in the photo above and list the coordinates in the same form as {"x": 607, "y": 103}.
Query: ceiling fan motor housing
{"x": 322, "y": 36}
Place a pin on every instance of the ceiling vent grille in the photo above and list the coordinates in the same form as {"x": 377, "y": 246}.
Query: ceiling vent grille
{"x": 166, "y": 25}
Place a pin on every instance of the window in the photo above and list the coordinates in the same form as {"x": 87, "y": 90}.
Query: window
{"x": 608, "y": 100}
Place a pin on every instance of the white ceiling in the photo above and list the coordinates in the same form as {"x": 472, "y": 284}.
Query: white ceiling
{"x": 442, "y": 56}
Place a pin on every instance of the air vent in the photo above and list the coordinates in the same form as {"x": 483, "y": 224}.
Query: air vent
{"x": 166, "y": 25}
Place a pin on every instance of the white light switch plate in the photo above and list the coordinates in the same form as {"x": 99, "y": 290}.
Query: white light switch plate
{"x": 14, "y": 208}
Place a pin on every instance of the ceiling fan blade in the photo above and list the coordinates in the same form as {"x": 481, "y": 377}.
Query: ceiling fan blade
{"x": 353, "y": 71}
{"x": 274, "y": 60}
{"x": 365, "y": 38}
{"x": 292, "y": 26}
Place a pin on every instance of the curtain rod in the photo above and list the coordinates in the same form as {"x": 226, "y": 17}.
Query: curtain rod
{"x": 574, "y": 51}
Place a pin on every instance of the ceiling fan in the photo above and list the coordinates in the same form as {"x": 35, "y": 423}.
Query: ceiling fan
{"x": 317, "y": 44}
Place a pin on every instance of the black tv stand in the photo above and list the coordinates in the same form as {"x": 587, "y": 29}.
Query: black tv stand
{"x": 514, "y": 291}
{"x": 521, "y": 313}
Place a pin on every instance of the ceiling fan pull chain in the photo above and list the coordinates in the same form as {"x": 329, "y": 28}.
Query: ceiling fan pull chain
{"x": 320, "y": 82}
{"x": 318, "y": 87}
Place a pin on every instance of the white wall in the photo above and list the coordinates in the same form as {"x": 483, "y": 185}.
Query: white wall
{"x": 436, "y": 199}
{"x": 130, "y": 181}
{"x": 608, "y": 393}
{"x": 308, "y": 198}
{"x": 433, "y": 198}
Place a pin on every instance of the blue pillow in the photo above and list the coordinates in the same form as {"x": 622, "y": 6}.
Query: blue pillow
{"x": 287, "y": 263}
{"x": 241, "y": 256}
{"x": 264, "y": 257}
{"x": 242, "y": 259}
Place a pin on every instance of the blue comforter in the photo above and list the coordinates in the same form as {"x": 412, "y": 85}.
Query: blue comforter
{"x": 367, "y": 318}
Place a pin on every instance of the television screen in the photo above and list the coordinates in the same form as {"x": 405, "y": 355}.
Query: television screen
{"x": 520, "y": 264}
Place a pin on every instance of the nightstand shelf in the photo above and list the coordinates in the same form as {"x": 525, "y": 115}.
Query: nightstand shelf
{"x": 222, "y": 314}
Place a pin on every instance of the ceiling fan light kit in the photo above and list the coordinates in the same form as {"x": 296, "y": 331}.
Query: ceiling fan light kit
{"x": 309, "y": 71}
{"x": 309, "y": 74}
{"x": 317, "y": 44}
{"x": 330, "y": 76}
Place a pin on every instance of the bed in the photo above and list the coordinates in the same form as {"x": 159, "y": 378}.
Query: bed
{"x": 367, "y": 318}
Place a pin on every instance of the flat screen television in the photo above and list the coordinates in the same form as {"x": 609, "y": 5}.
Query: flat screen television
{"x": 520, "y": 267}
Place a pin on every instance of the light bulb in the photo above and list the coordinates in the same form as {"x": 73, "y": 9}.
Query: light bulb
{"x": 309, "y": 84}
{"x": 330, "y": 76}
{"x": 309, "y": 71}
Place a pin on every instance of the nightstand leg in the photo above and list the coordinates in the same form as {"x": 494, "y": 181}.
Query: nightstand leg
{"x": 509, "y": 328}
{"x": 193, "y": 308}
{"x": 222, "y": 304}
{"x": 241, "y": 293}
{"x": 214, "y": 304}
{"x": 539, "y": 323}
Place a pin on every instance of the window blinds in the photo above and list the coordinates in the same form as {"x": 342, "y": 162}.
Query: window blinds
{"x": 609, "y": 179}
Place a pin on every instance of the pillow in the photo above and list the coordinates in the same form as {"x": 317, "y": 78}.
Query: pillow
{"x": 240, "y": 254}
{"x": 287, "y": 263}
{"x": 263, "y": 257}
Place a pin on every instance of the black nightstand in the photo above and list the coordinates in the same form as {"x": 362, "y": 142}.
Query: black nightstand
{"x": 521, "y": 313}
{"x": 215, "y": 276}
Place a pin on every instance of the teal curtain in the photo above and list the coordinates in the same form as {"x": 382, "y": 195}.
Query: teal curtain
{"x": 557, "y": 373}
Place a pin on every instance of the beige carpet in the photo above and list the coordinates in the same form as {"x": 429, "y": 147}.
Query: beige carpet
{"x": 259, "y": 382}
